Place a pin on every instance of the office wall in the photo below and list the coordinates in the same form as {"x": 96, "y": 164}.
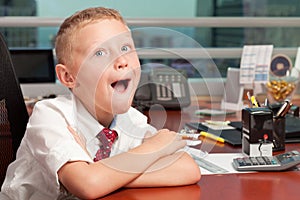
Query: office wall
{"x": 180, "y": 9}
{"x": 128, "y": 8}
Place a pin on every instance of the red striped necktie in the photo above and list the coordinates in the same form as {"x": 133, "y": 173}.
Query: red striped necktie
{"x": 106, "y": 137}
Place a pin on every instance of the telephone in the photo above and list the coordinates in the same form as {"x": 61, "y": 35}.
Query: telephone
{"x": 164, "y": 86}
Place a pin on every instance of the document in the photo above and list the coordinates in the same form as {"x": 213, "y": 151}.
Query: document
{"x": 215, "y": 163}
{"x": 255, "y": 64}
{"x": 213, "y": 112}
{"x": 296, "y": 68}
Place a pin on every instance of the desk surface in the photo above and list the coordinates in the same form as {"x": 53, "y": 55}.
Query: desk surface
{"x": 262, "y": 185}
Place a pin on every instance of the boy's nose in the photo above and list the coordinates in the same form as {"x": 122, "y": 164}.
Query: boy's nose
{"x": 121, "y": 62}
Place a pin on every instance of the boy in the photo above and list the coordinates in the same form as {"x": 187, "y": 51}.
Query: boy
{"x": 98, "y": 63}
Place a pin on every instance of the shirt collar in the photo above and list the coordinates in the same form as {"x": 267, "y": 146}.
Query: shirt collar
{"x": 85, "y": 123}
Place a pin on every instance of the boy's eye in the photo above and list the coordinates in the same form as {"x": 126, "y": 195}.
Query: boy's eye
{"x": 125, "y": 48}
{"x": 100, "y": 53}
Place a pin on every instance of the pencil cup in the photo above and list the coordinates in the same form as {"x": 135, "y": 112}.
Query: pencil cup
{"x": 257, "y": 133}
{"x": 279, "y": 134}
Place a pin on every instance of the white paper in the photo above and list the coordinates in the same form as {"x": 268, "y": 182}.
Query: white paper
{"x": 213, "y": 112}
{"x": 218, "y": 127}
{"x": 223, "y": 160}
{"x": 193, "y": 142}
{"x": 255, "y": 64}
{"x": 296, "y": 68}
{"x": 220, "y": 160}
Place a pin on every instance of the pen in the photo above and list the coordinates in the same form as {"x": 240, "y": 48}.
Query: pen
{"x": 253, "y": 100}
{"x": 190, "y": 136}
{"x": 283, "y": 109}
{"x": 266, "y": 103}
{"x": 202, "y": 133}
{"x": 286, "y": 110}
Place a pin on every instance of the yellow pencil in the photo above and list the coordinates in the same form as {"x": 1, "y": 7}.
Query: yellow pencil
{"x": 212, "y": 136}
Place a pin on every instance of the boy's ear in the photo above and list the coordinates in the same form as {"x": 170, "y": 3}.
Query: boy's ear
{"x": 64, "y": 76}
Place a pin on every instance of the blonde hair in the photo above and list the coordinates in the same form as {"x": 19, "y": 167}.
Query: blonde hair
{"x": 68, "y": 29}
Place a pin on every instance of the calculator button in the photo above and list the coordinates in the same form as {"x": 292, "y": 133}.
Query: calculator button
{"x": 241, "y": 162}
{"x": 247, "y": 161}
{"x": 260, "y": 160}
{"x": 267, "y": 160}
{"x": 274, "y": 162}
{"x": 254, "y": 161}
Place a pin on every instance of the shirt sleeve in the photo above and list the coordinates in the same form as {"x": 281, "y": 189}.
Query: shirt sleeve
{"x": 50, "y": 141}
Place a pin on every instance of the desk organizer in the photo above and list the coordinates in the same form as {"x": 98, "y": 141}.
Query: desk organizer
{"x": 257, "y": 133}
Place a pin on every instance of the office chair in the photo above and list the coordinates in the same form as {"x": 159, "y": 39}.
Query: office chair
{"x": 13, "y": 112}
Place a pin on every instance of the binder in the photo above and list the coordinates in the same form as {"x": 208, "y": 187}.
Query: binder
{"x": 231, "y": 136}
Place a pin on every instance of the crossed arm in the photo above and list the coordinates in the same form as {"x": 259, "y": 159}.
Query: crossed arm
{"x": 156, "y": 162}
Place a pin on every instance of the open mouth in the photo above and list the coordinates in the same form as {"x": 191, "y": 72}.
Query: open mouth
{"x": 120, "y": 85}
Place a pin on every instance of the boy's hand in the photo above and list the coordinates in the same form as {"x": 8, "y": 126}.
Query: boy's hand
{"x": 165, "y": 141}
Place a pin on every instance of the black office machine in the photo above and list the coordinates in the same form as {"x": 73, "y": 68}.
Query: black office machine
{"x": 164, "y": 86}
{"x": 257, "y": 131}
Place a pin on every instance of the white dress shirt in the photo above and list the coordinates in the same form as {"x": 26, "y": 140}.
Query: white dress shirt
{"x": 47, "y": 145}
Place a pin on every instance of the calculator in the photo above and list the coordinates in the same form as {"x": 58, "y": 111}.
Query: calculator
{"x": 278, "y": 162}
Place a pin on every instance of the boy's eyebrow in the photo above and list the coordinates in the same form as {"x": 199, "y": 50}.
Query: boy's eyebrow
{"x": 125, "y": 39}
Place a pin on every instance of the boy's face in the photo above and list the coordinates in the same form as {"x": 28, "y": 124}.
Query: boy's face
{"x": 106, "y": 68}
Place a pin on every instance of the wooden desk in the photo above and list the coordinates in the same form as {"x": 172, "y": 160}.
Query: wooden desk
{"x": 262, "y": 185}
